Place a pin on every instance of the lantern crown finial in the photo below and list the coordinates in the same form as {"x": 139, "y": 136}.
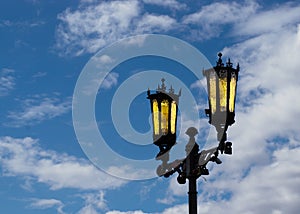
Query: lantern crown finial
{"x": 229, "y": 64}
{"x": 171, "y": 90}
{"x": 219, "y": 62}
{"x": 163, "y": 86}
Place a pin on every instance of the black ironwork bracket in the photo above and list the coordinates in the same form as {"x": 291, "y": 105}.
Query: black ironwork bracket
{"x": 202, "y": 158}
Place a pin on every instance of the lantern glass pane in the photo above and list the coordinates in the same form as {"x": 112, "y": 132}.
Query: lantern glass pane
{"x": 173, "y": 117}
{"x": 212, "y": 91}
{"x": 232, "y": 92}
{"x": 155, "y": 117}
{"x": 223, "y": 91}
{"x": 164, "y": 116}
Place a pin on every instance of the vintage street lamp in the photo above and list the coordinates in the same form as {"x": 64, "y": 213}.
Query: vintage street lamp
{"x": 164, "y": 109}
{"x": 221, "y": 85}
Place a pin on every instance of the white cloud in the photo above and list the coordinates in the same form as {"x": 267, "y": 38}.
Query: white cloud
{"x": 150, "y": 23}
{"x": 7, "y": 81}
{"x": 96, "y": 25}
{"x": 179, "y": 209}
{"x": 176, "y": 209}
{"x": 38, "y": 109}
{"x": 129, "y": 212}
{"x": 173, "y": 4}
{"x": 131, "y": 172}
{"x": 39, "y": 74}
{"x": 110, "y": 80}
{"x": 211, "y": 18}
{"x": 246, "y": 18}
{"x": 269, "y": 21}
{"x": 103, "y": 59}
{"x": 24, "y": 157}
{"x": 280, "y": 178}
{"x": 93, "y": 202}
{"x": 89, "y": 209}
{"x": 92, "y": 27}
{"x": 47, "y": 203}
{"x": 21, "y": 24}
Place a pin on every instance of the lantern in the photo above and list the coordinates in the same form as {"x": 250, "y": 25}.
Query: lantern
{"x": 164, "y": 109}
{"x": 221, "y": 86}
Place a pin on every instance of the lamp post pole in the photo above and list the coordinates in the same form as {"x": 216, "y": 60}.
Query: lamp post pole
{"x": 191, "y": 159}
{"x": 192, "y": 149}
{"x": 192, "y": 195}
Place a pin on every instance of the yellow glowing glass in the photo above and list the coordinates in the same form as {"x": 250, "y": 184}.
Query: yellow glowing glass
{"x": 223, "y": 93}
{"x": 212, "y": 91}
{"x": 155, "y": 117}
{"x": 232, "y": 93}
{"x": 164, "y": 116}
{"x": 173, "y": 117}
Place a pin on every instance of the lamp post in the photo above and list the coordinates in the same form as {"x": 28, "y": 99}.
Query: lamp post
{"x": 221, "y": 86}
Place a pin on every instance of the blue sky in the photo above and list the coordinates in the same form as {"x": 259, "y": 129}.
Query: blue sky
{"x": 46, "y": 46}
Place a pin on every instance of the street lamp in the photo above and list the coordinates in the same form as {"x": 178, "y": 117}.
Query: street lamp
{"x": 164, "y": 109}
{"x": 221, "y": 87}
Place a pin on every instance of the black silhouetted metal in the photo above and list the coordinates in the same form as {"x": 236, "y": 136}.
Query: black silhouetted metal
{"x": 221, "y": 83}
{"x": 221, "y": 86}
{"x": 164, "y": 123}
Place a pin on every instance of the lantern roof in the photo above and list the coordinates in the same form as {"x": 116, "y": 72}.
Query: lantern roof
{"x": 229, "y": 64}
{"x": 162, "y": 89}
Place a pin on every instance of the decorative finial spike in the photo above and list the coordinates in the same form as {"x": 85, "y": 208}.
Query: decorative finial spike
{"x": 163, "y": 86}
{"x": 158, "y": 88}
{"x": 219, "y": 62}
{"x": 171, "y": 90}
{"x": 229, "y": 64}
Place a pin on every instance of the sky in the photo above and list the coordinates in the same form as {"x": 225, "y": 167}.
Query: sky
{"x": 75, "y": 124}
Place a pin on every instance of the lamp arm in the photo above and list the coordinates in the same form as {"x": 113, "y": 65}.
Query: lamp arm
{"x": 167, "y": 169}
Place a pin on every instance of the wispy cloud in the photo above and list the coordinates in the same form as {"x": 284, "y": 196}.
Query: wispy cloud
{"x": 22, "y": 24}
{"x": 51, "y": 168}
{"x": 88, "y": 29}
{"x": 129, "y": 212}
{"x": 92, "y": 27}
{"x": 151, "y": 23}
{"x": 110, "y": 81}
{"x": 268, "y": 21}
{"x": 173, "y": 4}
{"x": 7, "y": 81}
{"x": 47, "y": 203}
{"x": 39, "y": 74}
{"x": 210, "y": 20}
{"x": 93, "y": 203}
{"x": 37, "y": 109}
{"x": 96, "y": 25}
